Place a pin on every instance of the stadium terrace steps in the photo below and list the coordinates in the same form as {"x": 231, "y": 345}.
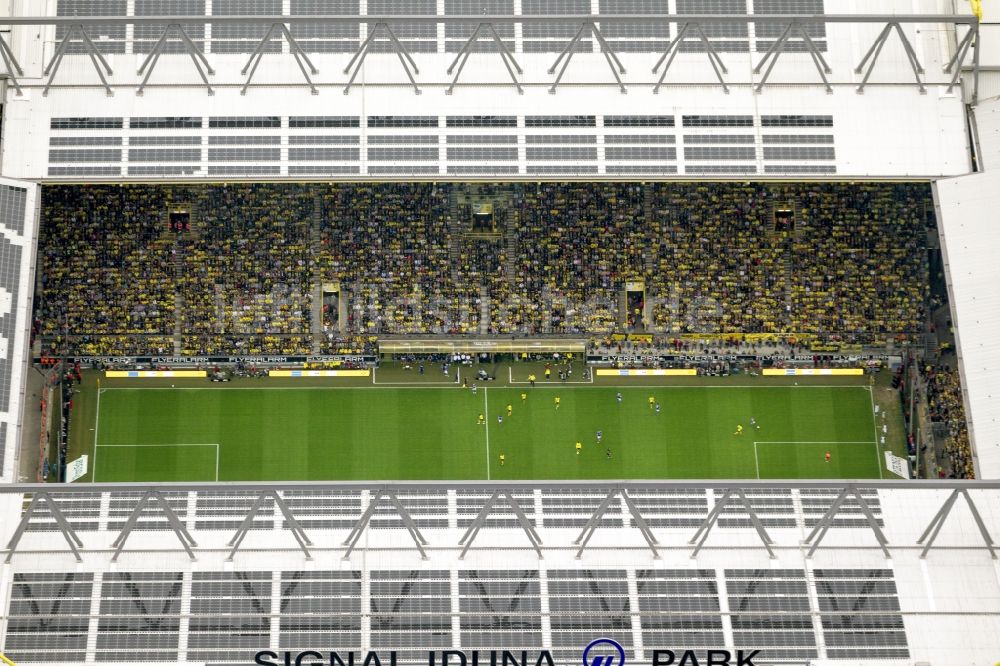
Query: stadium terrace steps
{"x": 933, "y": 242}
{"x": 649, "y": 211}
{"x": 456, "y": 227}
{"x": 647, "y": 203}
{"x": 316, "y": 242}
{"x": 510, "y": 242}
{"x": 931, "y": 345}
{"x": 317, "y": 318}
{"x": 178, "y": 337}
{"x": 789, "y": 280}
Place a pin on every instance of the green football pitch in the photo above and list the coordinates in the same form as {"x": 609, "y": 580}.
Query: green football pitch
{"x": 424, "y": 432}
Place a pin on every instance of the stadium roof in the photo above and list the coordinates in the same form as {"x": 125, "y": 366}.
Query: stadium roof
{"x": 17, "y": 233}
{"x": 793, "y": 76}
{"x": 653, "y": 565}
{"x": 967, "y": 214}
{"x": 794, "y": 35}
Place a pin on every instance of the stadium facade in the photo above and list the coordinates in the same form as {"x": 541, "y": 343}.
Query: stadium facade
{"x": 213, "y": 575}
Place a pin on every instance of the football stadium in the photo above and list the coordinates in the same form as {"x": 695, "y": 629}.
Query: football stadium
{"x": 499, "y": 332}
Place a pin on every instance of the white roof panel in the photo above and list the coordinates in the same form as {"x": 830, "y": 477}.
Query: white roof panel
{"x": 848, "y": 604}
{"x": 970, "y": 244}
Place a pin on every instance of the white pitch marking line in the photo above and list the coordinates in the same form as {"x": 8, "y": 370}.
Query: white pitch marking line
{"x": 486, "y": 413}
{"x": 756, "y": 459}
{"x": 162, "y": 446}
{"x": 97, "y": 421}
{"x": 569, "y": 382}
{"x": 123, "y": 446}
{"x": 801, "y": 441}
{"x": 376, "y": 384}
{"x": 878, "y": 449}
{"x": 382, "y": 385}
{"x": 438, "y": 385}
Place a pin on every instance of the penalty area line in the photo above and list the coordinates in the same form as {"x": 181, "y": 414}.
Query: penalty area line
{"x": 756, "y": 457}
{"x": 878, "y": 449}
{"x": 162, "y": 446}
{"x": 486, "y": 413}
{"x": 97, "y": 430}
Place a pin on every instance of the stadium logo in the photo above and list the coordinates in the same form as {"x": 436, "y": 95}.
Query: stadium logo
{"x": 599, "y": 652}
{"x": 601, "y": 659}
{"x": 607, "y": 649}
{"x": 391, "y": 658}
{"x": 706, "y": 658}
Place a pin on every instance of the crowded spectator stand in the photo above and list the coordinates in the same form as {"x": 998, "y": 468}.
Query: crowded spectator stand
{"x": 242, "y": 275}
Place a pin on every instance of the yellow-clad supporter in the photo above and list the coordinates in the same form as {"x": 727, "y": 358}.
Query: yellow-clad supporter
{"x": 844, "y": 262}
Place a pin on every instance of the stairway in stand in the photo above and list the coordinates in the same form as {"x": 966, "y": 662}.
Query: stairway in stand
{"x": 786, "y": 242}
{"x": 931, "y": 345}
{"x": 179, "y": 271}
{"x": 315, "y": 279}
{"x": 510, "y": 243}
{"x": 789, "y": 281}
{"x": 178, "y": 243}
{"x": 456, "y": 227}
{"x": 649, "y": 249}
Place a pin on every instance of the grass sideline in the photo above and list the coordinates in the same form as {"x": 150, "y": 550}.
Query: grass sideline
{"x": 425, "y": 428}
